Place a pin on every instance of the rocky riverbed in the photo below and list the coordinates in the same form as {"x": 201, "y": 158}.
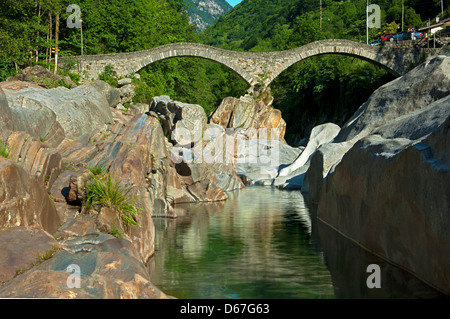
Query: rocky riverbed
{"x": 381, "y": 180}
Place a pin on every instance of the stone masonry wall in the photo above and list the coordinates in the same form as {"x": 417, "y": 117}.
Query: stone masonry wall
{"x": 254, "y": 67}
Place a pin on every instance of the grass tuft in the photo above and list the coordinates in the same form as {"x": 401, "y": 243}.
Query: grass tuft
{"x": 5, "y": 151}
{"x": 105, "y": 191}
{"x": 97, "y": 170}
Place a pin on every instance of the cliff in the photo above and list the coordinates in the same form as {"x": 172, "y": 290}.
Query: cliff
{"x": 79, "y": 185}
{"x": 204, "y": 12}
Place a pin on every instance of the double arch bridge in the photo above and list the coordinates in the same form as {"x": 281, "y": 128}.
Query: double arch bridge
{"x": 253, "y": 67}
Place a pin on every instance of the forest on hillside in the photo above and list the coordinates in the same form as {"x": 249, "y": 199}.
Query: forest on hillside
{"x": 327, "y": 88}
{"x": 30, "y": 29}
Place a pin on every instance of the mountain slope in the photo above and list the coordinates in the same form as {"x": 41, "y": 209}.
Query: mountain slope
{"x": 205, "y": 12}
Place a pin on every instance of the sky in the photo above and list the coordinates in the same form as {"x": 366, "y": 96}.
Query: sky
{"x": 233, "y": 2}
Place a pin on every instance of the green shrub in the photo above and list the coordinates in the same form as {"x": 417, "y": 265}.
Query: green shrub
{"x": 105, "y": 191}
{"x": 6, "y": 69}
{"x": 109, "y": 76}
{"x": 4, "y": 149}
{"x": 97, "y": 170}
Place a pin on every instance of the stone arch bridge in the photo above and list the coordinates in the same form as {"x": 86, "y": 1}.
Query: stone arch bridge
{"x": 253, "y": 67}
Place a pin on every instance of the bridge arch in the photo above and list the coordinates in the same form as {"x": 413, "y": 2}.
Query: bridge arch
{"x": 253, "y": 67}
{"x": 375, "y": 55}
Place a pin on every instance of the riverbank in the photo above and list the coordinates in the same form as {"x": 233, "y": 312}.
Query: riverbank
{"x": 381, "y": 180}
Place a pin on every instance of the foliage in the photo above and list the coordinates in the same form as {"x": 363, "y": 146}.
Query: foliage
{"x": 106, "y": 191}
{"x": 6, "y": 69}
{"x": 190, "y": 80}
{"x": 319, "y": 89}
{"x": 109, "y": 75}
{"x": 51, "y": 83}
{"x": 4, "y": 149}
{"x": 97, "y": 170}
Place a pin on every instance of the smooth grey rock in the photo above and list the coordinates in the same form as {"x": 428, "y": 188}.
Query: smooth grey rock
{"x": 391, "y": 196}
{"x": 320, "y": 134}
{"x": 112, "y": 94}
{"x": 79, "y": 111}
{"x": 127, "y": 93}
{"x": 415, "y": 90}
{"x": 321, "y": 162}
{"x": 292, "y": 176}
{"x": 186, "y": 122}
{"x": 124, "y": 81}
{"x": 20, "y": 113}
{"x": 139, "y": 108}
{"x": 261, "y": 160}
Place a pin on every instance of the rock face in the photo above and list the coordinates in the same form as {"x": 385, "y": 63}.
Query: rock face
{"x": 42, "y": 190}
{"x": 23, "y": 246}
{"x": 200, "y": 176}
{"x": 184, "y": 122}
{"x": 293, "y": 175}
{"x": 384, "y": 181}
{"x": 418, "y": 88}
{"x": 109, "y": 268}
{"x": 391, "y": 196}
{"x": 78, "y": 110}
{"x": 40, "y": 75}
{"x": 252, "y": 114}
{"x": 30, "y": 116}
{"x": 23, "y": 200}
{"x": 203, "y": 12}
{"x": 322, "y": 160}
{"x": 260, "y": 160}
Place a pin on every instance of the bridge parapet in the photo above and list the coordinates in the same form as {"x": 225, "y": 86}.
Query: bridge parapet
{"x": 253, "y": 67}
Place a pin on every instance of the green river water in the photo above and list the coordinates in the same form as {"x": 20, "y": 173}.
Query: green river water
{"x": 261, "y": 243}
{"x": 256, "y": 244}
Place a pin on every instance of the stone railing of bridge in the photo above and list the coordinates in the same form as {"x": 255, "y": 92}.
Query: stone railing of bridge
{"x": 253, "y": 67}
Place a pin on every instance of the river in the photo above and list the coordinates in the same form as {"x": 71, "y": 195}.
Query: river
{"x": 261, "y": 243}
{"x": 256, "y": 244}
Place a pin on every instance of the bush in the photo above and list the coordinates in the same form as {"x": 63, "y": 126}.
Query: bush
{"x": 4, "y": 149}
{"x": 97, "y": 170}
{"x": 105, "y": 191}
{"x": 6, "y": 69}
{"x": 109, "y": 75}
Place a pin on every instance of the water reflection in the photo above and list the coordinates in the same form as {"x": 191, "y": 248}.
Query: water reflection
{"x": 257, "y": 244}
{"x": 348, "y": 264}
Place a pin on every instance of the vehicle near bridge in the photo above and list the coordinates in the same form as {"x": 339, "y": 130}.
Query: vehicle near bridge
{"x": 406, "y": 35}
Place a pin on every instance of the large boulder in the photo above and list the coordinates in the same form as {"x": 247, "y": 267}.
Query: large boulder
{"x": 79, "y": 111}
{"x": 184, "y": 122}
{"x": 96, "y": 266}
{"x": 112, "y": 94}
{"x": 390, "y": 193}
{"x": 19, "y": 85}
{"x": 134, "y": 152}
{"x": 417, "y": 89}
{"x": 292, "y": 176}
{"x": 321, "y": 162}
{"x": 321, "y": 134}
{"x": 260, "y": 160}
{"x": 22, "y": 248}
{"x": 35, "y": 157}
{"x": 23, "y": 199}
{"x": 247, "y": 112}
{"x": 28, "y": 115}
{"x": 393, "y": 111}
